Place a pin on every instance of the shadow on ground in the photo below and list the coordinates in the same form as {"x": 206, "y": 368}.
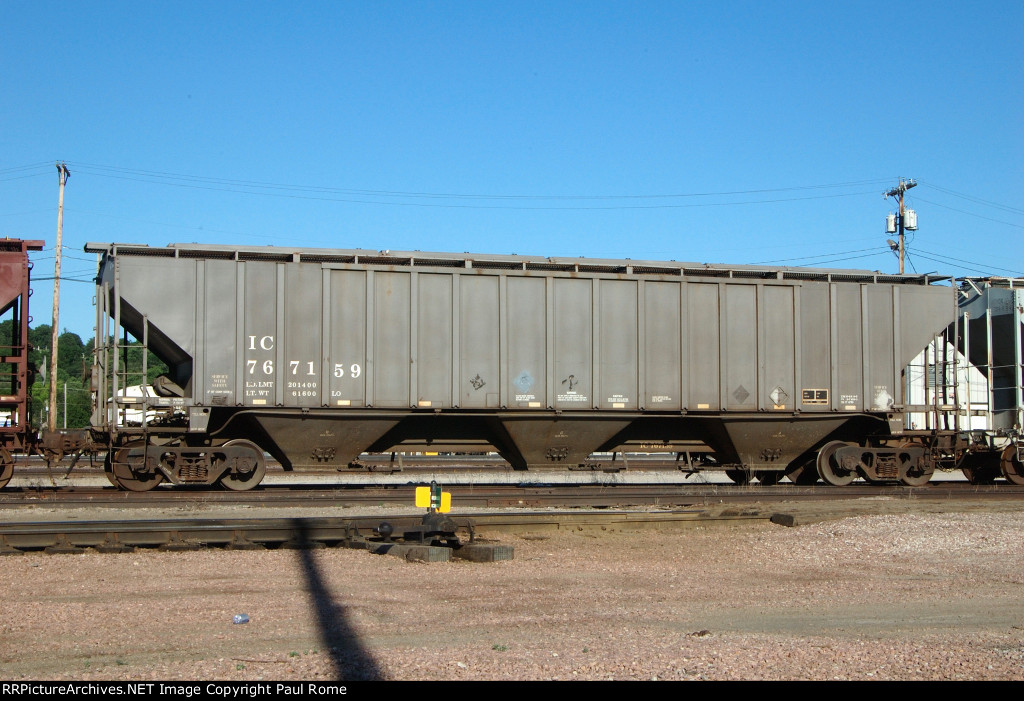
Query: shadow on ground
{"x": 351, "y": 660}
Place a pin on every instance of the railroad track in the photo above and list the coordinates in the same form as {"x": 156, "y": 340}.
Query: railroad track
{"x": 595, "y": 496}
{"x": 181, "y": 534}
{"x": 191, "y": 533}
{"x": 220, "y": 526}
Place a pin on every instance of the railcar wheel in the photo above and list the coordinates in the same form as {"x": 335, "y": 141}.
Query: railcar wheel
{"x": 804, "y": 475}
{"x": 740, "y": 477}
{"x": 979, "y": 475}
{"x": 108, "y": 469}
{"x": 769, "y": 477}
{"x": 248, "y": 470}
{"x": 980, "y": 468}
{"x": 917, "y": 475}
{"x": 1013, "y": 468}
{"x": 6, "y": 467}
{"x": 829, "y": 468}
{"x": 128, "y": 468}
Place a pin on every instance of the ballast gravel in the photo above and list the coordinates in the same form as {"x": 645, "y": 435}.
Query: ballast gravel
{"x": 897, "y": 597}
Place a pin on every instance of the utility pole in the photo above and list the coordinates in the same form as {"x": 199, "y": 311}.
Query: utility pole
{"x": 901, "y": 218}
{"x": 51, "y": 418}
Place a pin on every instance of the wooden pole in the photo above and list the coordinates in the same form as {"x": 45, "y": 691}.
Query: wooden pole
{"x": 51, "y": 414}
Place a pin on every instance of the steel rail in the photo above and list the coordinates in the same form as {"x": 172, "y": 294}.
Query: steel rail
{"x": 487, "y": 495}
{"x": 187, "y": 533}
{"x": 192, "y": 533}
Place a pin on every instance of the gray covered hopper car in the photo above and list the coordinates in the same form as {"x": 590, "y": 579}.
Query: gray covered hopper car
{"x": 992, "y": 339}
{"x": 317, "y": 356}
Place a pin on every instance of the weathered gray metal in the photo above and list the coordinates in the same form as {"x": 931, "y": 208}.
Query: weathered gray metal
{"x": 318, "y": 355}
{"x": 992, "y": 318}
{"x": 994, "y": 310}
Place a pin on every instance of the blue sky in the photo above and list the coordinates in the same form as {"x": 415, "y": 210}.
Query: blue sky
{"x": 736, "y": 132}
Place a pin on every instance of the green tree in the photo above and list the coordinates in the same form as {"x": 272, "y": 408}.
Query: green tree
{"x": 74, "y": 401}
{"x": 71, "y": 358}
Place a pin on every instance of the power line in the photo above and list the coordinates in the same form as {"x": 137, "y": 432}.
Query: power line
{"x": 68, "y": 248}
{"x": 840, "y": 260}
{"x": 349, "y": 200}
{"x": 80, "y": 271}
{"x": 32, "y": 166}
{"x": 148, "y": 222}
{"x": 973, "y": 265}
{"x": 64, "y": 279}
{"x": 22, "y": 177}
{"x": 978, "y": 216}
{"x": 42, "y": 168}
{"x": 961, "y": 265}
{"x": 912, "y": 266}
{"x": 875, "y": 250}
{"x": 971, "y": 198}
{"x": 160, "y": 176}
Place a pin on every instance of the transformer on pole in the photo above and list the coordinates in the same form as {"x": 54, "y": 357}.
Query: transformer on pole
{"x": 905, "y": 220}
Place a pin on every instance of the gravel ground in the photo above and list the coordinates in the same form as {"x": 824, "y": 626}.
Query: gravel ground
{"x": 933, "y": 596}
